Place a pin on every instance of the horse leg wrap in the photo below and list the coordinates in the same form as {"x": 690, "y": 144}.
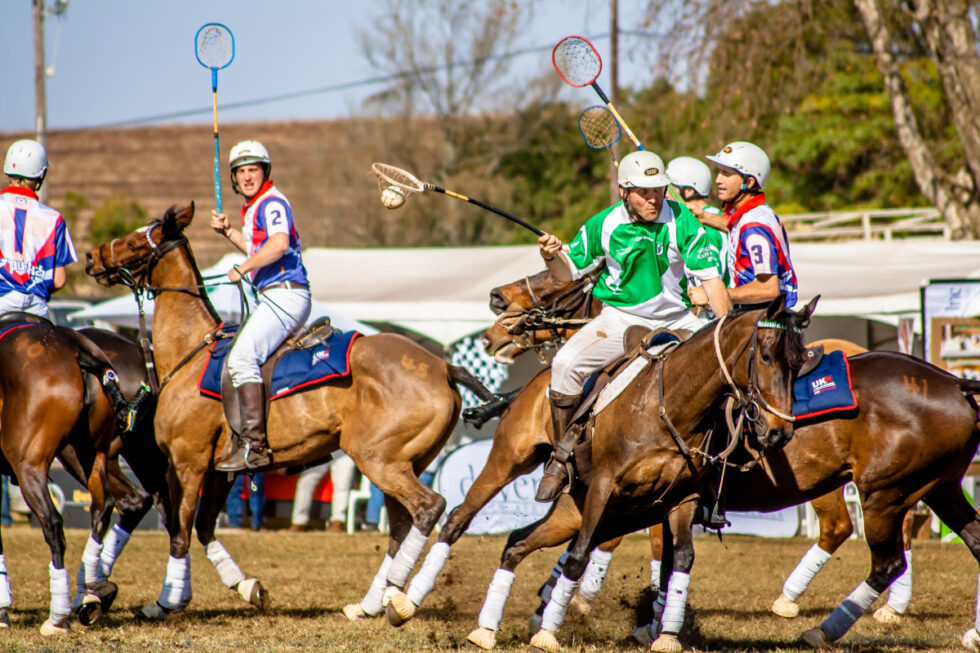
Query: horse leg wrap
{"x": 545, "y": 592}
{"x": 113, "y": 544}
{"x": 60, "y": 610}
{"x": 371, "y": 603}
{"x": 408, "y": 554}
{"x": 976, "y": 618}
{"x": 88, "y": 571}
{"x": 5, "y": 597}
{"x": 497, "y": 594}
{"x": 850, "y": 609}
{"x": 900, "y": 593}
{"x": 655, "y": 575}
{"x": 812, "y": 561}
{"x": 676, "y": 603}
{"x": 595, "y": 573}
{"x": 176, "y": 592}
{"x": 425, "y": 580}
{"x": 561, "y": 596}
{"x": 228, "y": 570}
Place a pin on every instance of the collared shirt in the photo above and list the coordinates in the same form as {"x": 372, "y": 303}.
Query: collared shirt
{"x": 757, "y": 244}
{"x": 268, "y": 213}
{"x": 647, "y": 264}
{"x": 34, "y": 240}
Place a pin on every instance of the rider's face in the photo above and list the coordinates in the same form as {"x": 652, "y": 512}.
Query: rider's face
{"x": 645, "y": 202}
{"x": 729, "y": 184}
{"x": 249, "y": 178}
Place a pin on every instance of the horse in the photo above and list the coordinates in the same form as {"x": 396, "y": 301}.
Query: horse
{"x": 51, "y": 400}
{"x": 391, "y": 415}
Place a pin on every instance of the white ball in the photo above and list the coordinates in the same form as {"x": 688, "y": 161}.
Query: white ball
{"x": 393, "y": 197}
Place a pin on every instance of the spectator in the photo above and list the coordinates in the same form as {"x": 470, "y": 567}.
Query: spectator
{"x": 341, "y": 470}
{"x": 5, "y": 518}
{"x": 235, "y": 506}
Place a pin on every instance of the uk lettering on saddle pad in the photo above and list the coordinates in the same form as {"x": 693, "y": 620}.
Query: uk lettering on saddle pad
{"x": 824, "y": 390}
{"x": 297, "y": 369}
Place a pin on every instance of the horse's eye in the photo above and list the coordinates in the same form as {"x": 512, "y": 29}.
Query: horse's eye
{"x": 766, "y": 358}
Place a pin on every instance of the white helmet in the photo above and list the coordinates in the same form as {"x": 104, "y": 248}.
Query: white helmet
{"x": 248, "y": 152}
{"x": 26, "y": 159}
{"x": 688, "y": 172}
{"x": 747, "y": 158}
{"x": 642, "y": 169}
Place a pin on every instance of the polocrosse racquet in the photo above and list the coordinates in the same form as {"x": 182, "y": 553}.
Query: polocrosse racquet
{"x": 600, "y": 130}
{"x": 214, "y": 46}
{"x": 389, "y": 175}
{"x": 578, "y": 63}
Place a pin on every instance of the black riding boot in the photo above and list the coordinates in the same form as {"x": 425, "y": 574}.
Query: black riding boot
{"x": 556, "y": 472}
{"x": 127, "y": 412}
{"x": 251, "y": 450}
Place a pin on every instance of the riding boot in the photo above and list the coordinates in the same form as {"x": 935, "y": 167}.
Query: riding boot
{"x": 556, "y": 473}
{"x": 250, "y": 451}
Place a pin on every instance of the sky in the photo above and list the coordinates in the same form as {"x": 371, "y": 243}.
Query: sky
{"x": 120, "y": 62}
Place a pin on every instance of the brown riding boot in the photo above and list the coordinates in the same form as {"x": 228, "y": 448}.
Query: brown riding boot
{"x": 251, "y": 450}
{"x": 556, "y": 472}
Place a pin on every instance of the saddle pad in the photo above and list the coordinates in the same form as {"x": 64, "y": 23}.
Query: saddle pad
{"x": 12, "y": 327}
{"x": 297, "y": 369}
{"x": 625, "y": 376}
{"x": 824, "y": 390}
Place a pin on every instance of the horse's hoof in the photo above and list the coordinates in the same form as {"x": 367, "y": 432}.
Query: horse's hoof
{"x": 816, "y": 638}
{"x": 545, "y": 640}
{"x": 971, "y": 640}
{"x": 354, "y": 612}
{"x": 581, "y": 604}
{"x": 154, "y": 611}
{"x": 89, "y": 610}
{"x": 888, "y": 615}
{"x": 667, "y": 644}
{"x": 4, "y": 618}
{"x": 785, "y": 607}
{"x": 389, "y": 592}
{"x": 483, "y": 638}
{"x": 400, "y": 609}
{"x": 50, "y": 628}
{"x": 642, "y": 636}
{"x": 252, "y": 591}
{"x": 534, "y": 623}
{"x": 106, "y": 590}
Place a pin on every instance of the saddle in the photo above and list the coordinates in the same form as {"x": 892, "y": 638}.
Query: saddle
{"x": 317, "y": 333}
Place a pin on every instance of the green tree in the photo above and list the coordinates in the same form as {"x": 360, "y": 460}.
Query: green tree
{"x": 116, "y": 217}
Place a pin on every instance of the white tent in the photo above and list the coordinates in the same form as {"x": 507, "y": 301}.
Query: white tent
{"x": 225, "y": 297}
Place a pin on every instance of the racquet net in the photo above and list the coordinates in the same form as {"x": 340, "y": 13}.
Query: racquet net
{"x": 215, "y": 46}
{"x": 599, "y": 127}
{"x": 576, "y": 60}
{"x": 391, "y": 176}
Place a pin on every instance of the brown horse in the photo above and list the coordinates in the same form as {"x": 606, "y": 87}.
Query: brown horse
{"x": 392, "y": 415}
{"x": 51, "y": 400}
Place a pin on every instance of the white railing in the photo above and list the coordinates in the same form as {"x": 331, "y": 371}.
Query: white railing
{"x": 882, "y": 224}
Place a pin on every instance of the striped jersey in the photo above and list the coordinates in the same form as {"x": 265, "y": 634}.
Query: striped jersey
{"x": 266, "y": 214}
{"x": 646, "y": 263}
{"x": 34, "y": 240}
{"x": 757, "y": 244}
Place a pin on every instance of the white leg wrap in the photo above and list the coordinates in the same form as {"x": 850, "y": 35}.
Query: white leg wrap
{"x": 90, "y": 560}
{"x": 545, "y": 592}
{"x": 659, "y": 604}
{"x": 228, "y": 570}
{"x": 425, "y": 580}
{"x": 371, "y": 603}
{"x": 595, "y": 574}
{"x": 807, "y": 568}
{"x": 176, "y": 592}
{"x": 113, "y": 544}
{"x": 655, "y": 575}
{"x": 676, "y": 604}
{"x": 5, "y": 597}
{"x": 561, "y": 596}
{"x": 60, "y": 610}
{"x": 900, "y": 593}
{"x": 497, "y": 594}
{"x": 976, "y": 618}
{"x": 850, "y": 609}
{"x": 408, "y": 554}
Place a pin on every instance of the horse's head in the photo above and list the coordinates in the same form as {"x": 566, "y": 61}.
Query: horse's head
{"x": 532, "y": 313}
{"x": 130, "y": 259}
{"x": 760, "y": 353}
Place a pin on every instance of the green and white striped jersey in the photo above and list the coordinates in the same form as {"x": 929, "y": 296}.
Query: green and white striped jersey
{"x": 647, "y": 263}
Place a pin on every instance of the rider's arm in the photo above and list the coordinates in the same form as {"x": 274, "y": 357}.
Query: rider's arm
{"x": 60, "y": 278}
{"x": 550, "y": 248}
{"x": 718, "y": 298}
{"x": 765, "y": 287}
{"x": 270, "y": 252}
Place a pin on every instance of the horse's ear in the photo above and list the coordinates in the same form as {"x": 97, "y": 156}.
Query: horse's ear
{"x": 185, "y": 216}
{"x": 810, "y": 307}
{"x": 776, "y": 307}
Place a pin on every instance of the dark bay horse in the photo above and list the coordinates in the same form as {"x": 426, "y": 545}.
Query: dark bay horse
{"x": 392, "y": 415}
{"x": 50, "y": 401}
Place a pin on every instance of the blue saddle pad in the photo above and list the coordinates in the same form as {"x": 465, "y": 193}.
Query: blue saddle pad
{"x": 13, "y": 327}
{"x": 826, "y": 389}
{"x": 298, "y": 369}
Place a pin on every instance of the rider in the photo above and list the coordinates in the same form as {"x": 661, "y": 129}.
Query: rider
{"x": 36, "y": 250}
{"x": 758, "y": 249}
{"x": 268, "y": 237}
{"x": 648, "y": 246}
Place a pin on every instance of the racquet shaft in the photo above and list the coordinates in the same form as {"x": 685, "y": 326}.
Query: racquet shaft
{"x": 488, "y": 207}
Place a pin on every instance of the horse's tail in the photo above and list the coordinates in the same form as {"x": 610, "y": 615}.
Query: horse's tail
{"x": 461, "y": 376}
{"x": 969, "y": 386}
{"x": 493, "y": 404}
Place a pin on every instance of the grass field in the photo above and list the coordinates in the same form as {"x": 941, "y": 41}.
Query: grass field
{"x": 311, "y": 576}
